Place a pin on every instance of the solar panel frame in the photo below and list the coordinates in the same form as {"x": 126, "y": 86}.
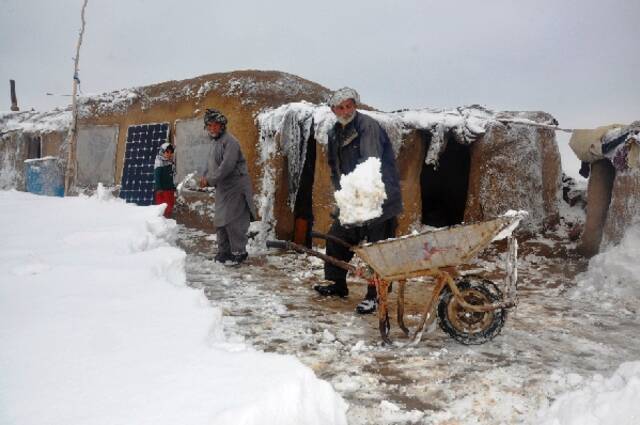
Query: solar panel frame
{"x": 141, "y": 148}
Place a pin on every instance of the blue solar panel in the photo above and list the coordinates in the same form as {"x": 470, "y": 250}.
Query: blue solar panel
{"x": 143, "y": 142}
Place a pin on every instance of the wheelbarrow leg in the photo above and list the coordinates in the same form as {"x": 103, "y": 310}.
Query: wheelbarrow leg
{"x": 400, "y": 309}
{"x": 429, "y": 314}
{"x": 383, "y": 313}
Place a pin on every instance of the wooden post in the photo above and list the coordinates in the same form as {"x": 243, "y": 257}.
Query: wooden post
{"x": 14, "y": 99}
{"x": 70, "y": 173}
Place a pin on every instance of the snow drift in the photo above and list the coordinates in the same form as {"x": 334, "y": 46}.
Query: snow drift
{"x": 98, "y": 327}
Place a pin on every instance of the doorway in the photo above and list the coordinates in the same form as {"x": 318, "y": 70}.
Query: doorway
{"x": 444, "y": 187}
{"x": 303, "y": 208}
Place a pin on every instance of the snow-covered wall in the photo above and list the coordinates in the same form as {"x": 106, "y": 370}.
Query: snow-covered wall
{"x": 514, "y": 165}
{"x": 268, "y": 116}
{"x": 624, "y": 209}
{"x": 13, "y": 152}
{"x": 27, "y": 134}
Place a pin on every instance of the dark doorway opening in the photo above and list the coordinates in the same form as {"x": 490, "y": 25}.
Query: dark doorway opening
{"x": 444, "y": 188}
{"x": 34, "y": 148}
{"x": 303, "y": 208}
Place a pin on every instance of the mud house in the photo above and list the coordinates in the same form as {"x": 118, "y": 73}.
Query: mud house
{"x": 612, "y": 155}
{"x": 462, "y": 164}
{"x": 29, "y": 135}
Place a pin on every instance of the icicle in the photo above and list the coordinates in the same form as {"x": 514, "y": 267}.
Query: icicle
{"x": 294, "y": 135}
{"x": 437, "y": 146}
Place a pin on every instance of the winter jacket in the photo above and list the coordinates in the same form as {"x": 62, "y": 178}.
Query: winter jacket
{"x": 360, "y": 139}
{"x": 163, "y": 171}
{"x": 227, "y": 171}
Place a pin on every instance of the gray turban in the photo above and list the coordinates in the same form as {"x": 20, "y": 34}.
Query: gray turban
{"x": 340, "y": 95}
{"x": 213, "y": 115}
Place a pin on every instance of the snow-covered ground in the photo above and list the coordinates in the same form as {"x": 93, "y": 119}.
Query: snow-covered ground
{"x": 97, "y": 326}
{"x": 552, "y": 344}
{"x": 104, "y": 320}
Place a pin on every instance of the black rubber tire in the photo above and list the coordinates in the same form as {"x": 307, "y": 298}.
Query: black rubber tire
{"x": 482, "y": 327}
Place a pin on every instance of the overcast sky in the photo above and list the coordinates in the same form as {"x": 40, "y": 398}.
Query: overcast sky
{"x": 576, "y": 59}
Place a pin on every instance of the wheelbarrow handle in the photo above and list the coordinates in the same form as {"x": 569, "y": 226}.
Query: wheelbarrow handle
{"x": 277, "y": 244}
{"x": 303, "y": 249}
{"x": 331, "y": 238}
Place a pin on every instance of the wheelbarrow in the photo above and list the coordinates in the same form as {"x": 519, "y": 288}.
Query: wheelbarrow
{"x": 472, "y": 310}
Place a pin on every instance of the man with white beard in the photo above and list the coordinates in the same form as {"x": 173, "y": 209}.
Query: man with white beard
{"x": 352, "y": 140}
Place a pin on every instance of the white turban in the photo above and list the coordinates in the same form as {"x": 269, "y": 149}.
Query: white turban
{"x": 340, "y": 95}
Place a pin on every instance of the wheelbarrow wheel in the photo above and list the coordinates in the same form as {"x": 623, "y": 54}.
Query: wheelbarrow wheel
{"x": 468, "y": 327}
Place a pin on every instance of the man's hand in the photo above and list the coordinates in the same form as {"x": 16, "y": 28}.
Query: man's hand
{"x": 203, "y": 182}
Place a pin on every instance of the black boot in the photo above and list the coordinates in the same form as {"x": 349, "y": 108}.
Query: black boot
{"x": 222, "y": 257}
{"x": 235, "y": 259}
{"x": 339, "y": 289}
{"x": 370, "y": 302}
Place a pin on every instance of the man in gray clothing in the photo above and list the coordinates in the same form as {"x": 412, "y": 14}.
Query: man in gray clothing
{"x": 352, "y": 140}
{"x": 227, "y": 171}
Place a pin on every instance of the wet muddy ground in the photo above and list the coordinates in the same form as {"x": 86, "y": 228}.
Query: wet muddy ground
{"x": 549, "y": 344}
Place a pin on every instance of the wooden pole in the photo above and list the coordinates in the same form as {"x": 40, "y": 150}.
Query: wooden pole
{"x": 73, "y": 131}
{"x": 14, "y": 98}
{"x": 535, "y": 124}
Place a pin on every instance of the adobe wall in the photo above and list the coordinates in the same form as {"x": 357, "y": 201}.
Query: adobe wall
{"x": 17, "y": 146}
{"x": 240, "y": 123}
{"x": 624, "y": 209}
{"x": 515, "y": 167}
{"x": 13, "y": 152}
{"x": 239, "y": 95}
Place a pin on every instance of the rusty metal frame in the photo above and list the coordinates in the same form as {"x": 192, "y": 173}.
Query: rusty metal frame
{"x": 443, "y": 276}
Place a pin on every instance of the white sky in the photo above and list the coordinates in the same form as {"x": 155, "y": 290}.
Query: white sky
{"x": 576, "y": 59}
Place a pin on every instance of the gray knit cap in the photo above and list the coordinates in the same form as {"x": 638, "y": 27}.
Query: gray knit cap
{"x": 340, "y": 95}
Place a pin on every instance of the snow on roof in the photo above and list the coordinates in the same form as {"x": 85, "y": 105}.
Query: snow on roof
{"x": 34, "y": 121}
{"x": 468, "y": 122}
{"x": 248, "y": 86}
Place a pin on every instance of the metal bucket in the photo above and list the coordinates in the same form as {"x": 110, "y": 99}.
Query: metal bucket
{"x": 44, "y": 176}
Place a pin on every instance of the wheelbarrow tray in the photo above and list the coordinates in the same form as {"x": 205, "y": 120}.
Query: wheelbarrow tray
{"x": 415, "y": 255}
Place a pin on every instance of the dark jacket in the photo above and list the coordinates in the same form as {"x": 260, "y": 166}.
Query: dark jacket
{"x": 163, "y": 178}
{"x": 353, "y": 144}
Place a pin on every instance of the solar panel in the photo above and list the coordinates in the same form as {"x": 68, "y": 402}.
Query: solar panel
{"x": 143, "y": 142}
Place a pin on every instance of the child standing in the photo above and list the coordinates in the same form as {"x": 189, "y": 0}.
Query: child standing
{"x": 164, "y": 170}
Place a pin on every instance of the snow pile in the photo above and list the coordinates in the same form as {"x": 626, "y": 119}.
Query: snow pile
{"x": 36, "y": 122}
{"x": 601, "y": 402}
{"x": 614, "y": 274}
{"x": 98, "y": 327}
{"x": 361, "y": 193}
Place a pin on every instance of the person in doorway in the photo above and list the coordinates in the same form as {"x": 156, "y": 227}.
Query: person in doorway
{"x": 353, "y": 139}
{"x": 226, "y": 170}
{"x": 164, "y": 170}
